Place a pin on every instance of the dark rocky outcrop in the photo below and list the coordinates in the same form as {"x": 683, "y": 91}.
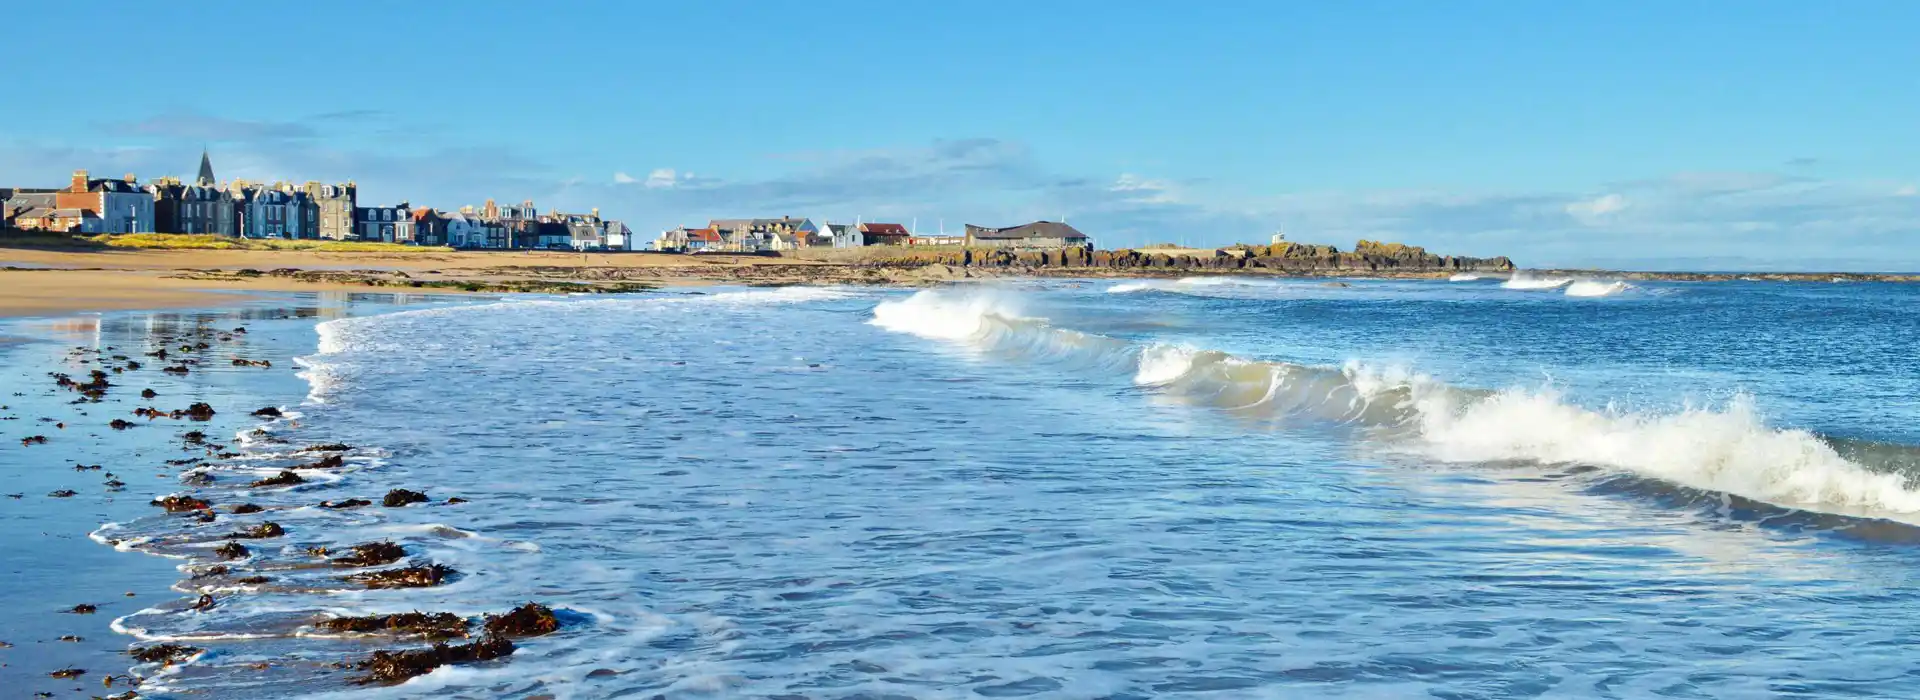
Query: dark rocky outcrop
{"x": 400, "y": 497}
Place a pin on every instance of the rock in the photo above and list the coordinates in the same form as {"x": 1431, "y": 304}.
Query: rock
{"x": 63, "y": 493}
{"x": 205, "y": 602}
{"x": 246, "y": 508}
{"x": 349, "y": 503}
{"x": 119, "y": 424}
{"x": 199, "y": 411}
{"x": 148, "y": 393}
{"x": 401, "y": 497}
{"x": 268, "y": 412}
{"x": 82, "y": 609}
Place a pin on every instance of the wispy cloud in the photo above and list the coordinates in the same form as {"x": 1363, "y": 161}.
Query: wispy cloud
{"x": 202, "y": 127}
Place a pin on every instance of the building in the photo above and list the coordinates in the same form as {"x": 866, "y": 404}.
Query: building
{"x": 463, "y": 230}
{"x": 335, "y": 206}
{"x": 273, "y": 212}
{"x": 551, "y": 235}
{"x": 938, "y": 239}
{"x": 205, "y": 178}
{"x": 1037, "y": 235}
{"x": 429, "y": 227}
{"x": 392, "y": 224}
{"x": 619, "y": 237}
{"x": 845, "y": 235}
{"x": 118, "y": 206}
{"x": 1279, "y": 238}
{"x": 883, "y": 234}
{"x": 183, "y": 208}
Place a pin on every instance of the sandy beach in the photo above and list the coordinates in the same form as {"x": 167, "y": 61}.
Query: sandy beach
{"x": 43, "y": 282}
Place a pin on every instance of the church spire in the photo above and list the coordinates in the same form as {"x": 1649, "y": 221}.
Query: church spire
{"x": 206, "y": 171}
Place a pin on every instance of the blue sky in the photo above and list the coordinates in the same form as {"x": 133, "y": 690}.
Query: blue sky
{"x": 1627, "y": 134}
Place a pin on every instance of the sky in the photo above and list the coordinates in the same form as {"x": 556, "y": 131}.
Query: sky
{"x": 1680, "y": 134}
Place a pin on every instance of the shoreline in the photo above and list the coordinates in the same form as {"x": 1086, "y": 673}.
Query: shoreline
{"x": 108, "y": 586}
{"x": 50, "y": 283}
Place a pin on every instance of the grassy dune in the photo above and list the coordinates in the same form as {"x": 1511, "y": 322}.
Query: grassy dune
{"x": 179, "y": 241}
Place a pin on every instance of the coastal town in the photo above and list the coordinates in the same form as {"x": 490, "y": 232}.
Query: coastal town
{"x": 315, "y": 210}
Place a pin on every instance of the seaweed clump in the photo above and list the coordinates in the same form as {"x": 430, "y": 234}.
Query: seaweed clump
{"x": 408, "y": 577}
{"x": 261, "y": 531}
{"x": 530, "y": 620}
{"x": 443, "y": 625}
{"x": 286, "y": 477}
{"x": 396, "y": 666}
{"x": 233, "y": 550}
{"x": 164, "y": 653}
{"x": 372, "y": 554}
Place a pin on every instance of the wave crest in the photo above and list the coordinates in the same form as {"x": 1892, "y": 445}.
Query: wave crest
{"x": 1728, "y": 449}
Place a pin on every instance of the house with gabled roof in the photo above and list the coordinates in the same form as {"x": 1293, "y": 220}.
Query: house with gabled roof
{"x": 1036, "y": 235}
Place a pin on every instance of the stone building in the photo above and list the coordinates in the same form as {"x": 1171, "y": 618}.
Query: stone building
{"x": 335, "y": 207}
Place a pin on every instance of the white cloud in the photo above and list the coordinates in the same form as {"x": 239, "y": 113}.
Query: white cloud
{"x": 663, "y": 178}
{"x": 1908, "y": 191}
{"x": 1596, "y": 209}
{"x": 623, "y": 179}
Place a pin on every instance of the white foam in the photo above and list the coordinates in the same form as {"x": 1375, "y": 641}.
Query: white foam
{"x": 1524, "y": 282}
{"x": 1161, "y": 364}
{"x": 945, "y": 315}
{"x": 1592, "y": 288}
{"x": 1729, "y": 449}
{"x": 1463, "y": 277}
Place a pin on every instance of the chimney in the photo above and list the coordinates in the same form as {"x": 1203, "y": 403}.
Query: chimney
{"x": 79, "y": 181}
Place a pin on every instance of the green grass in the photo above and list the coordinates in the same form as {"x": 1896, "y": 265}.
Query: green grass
{"x": 184, "y": 241}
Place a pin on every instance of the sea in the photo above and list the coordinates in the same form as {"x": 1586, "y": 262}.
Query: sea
{"x": 1218, "y": 487}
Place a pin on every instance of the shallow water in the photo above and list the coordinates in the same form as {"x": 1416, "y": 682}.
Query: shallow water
{"x": 1232, "y": 488}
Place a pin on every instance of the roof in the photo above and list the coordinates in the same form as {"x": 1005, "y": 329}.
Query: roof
{"x": 704, "y": 234}
{"x": 45, "y": 212}
{"x": 1037, "y": 229}
{"x": 884, "y": 229}
{"x": 112, "y": 186}
{"x": 206, "y": 170}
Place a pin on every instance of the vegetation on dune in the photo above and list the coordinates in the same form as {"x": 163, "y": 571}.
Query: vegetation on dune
{"x": 191, "y": 241}
{"x": 15, "y": 238}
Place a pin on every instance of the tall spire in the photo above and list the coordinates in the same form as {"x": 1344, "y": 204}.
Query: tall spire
{"x": 206, "y": 170}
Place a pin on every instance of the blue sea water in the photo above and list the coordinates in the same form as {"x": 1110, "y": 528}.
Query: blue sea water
{"x": 1214, "y": 487}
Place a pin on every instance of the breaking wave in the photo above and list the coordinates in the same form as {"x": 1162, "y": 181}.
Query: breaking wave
{"x": 1186, "y": 285}
{"x": 1524, "y": 282}
{"x": 1591, "y": 288}
{"x": 1726, "y": 448}
{"x": 1463, "y": 277}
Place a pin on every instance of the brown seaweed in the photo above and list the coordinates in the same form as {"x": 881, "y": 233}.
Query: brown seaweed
{"x": 530, "y": 620}
{"x": 396, "y": 666}
{"x": 284, "y": 478}
{"x": 372, "y": 554}
{"x": 408, "y": 577}
{"x": 431, "y": 625}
